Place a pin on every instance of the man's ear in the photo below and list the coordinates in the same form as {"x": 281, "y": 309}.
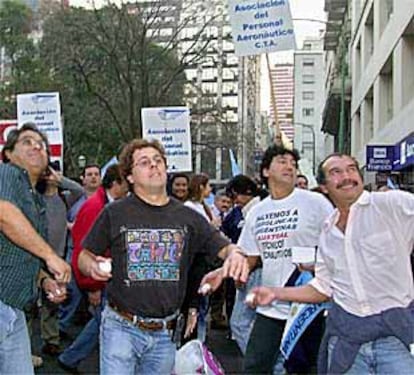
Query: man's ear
{"x": 323, "y": 189}
{"x": 265, "y": 172}
{"x": 130, "y": 179}
{"x": 7, "y": 153}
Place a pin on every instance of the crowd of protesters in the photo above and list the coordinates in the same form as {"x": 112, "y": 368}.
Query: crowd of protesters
{"x": 287, "y": 272}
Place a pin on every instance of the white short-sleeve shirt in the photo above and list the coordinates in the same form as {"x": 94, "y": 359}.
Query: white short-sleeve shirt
{"x": 273, "y": 227}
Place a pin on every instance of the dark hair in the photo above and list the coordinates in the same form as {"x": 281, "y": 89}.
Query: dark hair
{"x": 14, "y": 135}
{"x": 126, "y": 159}
{"x": 112, "y": 174}
{"x": 194, "y": 189}
{"x": 179, "y": 175}
{"x": 241, "y": 184}
{"x": 92, "y": 165}
{"x": 222, "y": 193}
{"x": 302, "y": 176}
{"x": 321, "y": 176}
{"x": 172, "y": 178}
{"x": 55, "y": 165}
{"x": 273, "y": 151}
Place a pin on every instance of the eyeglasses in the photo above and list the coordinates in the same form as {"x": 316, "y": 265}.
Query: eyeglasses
{"x": 32, "y": 142}
{"x": 147, "y": 162}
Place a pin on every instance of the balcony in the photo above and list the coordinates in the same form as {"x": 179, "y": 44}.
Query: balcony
{"x": 336, "y": 10}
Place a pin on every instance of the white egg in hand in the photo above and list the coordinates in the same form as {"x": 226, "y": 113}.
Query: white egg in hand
{"x": 105, "y": 266}
{"x": 205, "y": 288}
{"x": 250, "y": 298}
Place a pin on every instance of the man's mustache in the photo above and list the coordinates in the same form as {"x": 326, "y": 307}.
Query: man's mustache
{"x": 347, "y": 182}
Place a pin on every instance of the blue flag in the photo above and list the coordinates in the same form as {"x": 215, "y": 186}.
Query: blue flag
{"x": 112, "y": 161}
{"x": 300, "y": 317}
{"x": 390, "y": 184}
{"x": 235, "y": 169}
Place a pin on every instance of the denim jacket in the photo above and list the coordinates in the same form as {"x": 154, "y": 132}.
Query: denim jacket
{"x": 353, "y": 331}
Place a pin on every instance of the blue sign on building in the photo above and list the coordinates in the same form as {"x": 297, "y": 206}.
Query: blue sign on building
{"x": 380, "y": 158}
{"x": 404, "y": 153}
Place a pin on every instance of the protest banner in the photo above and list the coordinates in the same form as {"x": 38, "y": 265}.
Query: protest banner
{"x": 43, "y": 109}
{"x": 170, "y": 126}
{"x": 261, "y": 26}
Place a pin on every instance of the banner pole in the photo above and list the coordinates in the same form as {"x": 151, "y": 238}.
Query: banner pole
{"x": 278, "y": 134}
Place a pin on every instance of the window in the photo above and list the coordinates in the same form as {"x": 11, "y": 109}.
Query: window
{"x": 308, "y": 78}
{"x": 229, "y": 88}
{"x": 230, "y": 74}
{"x": 308, "y": 62}
{"x": 307, "y": 46}
{"x": 209, "y": 87}
{"x": 308, "y": 95}
{"x": 230, "y": 102}
{"x": 209, "y": 73}
{"x": 307, "y": 112}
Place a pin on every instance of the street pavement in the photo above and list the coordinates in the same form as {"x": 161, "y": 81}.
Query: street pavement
{"x": 224, "y": 349}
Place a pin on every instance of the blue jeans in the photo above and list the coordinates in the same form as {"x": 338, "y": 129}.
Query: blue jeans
{"x": 243, "y": 316}
{"x": 15, "y": 352}
{"x": 86, "y": 341}
{"x": 126, "y": 349}
{"x": 202, "y": 318}
{"x": 383, "y": 356}
{"x": 68, "y": 309}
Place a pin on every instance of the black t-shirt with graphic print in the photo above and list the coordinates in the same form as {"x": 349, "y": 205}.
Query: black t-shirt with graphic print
{"x": 152, "y": 250}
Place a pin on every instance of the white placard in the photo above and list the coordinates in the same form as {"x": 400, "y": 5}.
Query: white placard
{"x": 261, "y": 26}
{"x": 170, "y": 126}
{"x": 43, "y": 109}
{"x": 303, "y": 255}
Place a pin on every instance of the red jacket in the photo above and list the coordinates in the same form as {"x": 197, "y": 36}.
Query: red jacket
{"x": 85, "y": 218}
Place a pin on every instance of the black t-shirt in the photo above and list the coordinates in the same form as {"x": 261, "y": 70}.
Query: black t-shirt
{"x": 152, "y": 249}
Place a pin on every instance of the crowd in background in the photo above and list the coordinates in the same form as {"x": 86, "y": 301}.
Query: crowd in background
{"x": 107, "y": 226}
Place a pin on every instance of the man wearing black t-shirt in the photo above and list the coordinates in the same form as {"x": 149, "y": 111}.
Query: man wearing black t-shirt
{"x": 153, "y": 240}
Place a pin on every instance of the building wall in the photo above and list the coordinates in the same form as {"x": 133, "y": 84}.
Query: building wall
{"x": 283, "y": 88}
{"x": 382, "y": 106}
{"x": 338, "y": 87}
{"x": 309, "y": 100}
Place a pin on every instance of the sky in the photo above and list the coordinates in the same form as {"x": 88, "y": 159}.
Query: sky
{"x": 309, "y": 9}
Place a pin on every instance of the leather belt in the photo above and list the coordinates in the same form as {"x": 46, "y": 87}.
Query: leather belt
{"x": 145, "y": 325}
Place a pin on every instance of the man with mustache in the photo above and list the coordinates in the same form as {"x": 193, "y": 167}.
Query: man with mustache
{"x": 363, "y": 265}
{"x": 288, "y": 220}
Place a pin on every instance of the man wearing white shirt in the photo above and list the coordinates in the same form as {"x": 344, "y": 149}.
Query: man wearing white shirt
{"x": 363, "y": 265}
{"x": 288, "y": 219}
{"x": 222, "y": 204}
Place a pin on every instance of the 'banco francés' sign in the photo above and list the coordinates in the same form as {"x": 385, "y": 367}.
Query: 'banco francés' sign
{"x": 379, "y": 158}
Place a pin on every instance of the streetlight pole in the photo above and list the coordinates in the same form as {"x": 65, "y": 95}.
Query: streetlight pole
{"x": 312, "y": 129}
{"x": 81, "y": 162}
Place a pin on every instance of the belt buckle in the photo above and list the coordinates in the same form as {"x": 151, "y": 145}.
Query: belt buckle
{"x": 149, "y": 325}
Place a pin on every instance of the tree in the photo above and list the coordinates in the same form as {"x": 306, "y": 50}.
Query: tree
{"x": 107, "y": 64}
{"x": 23, "y": 70}
{"x": 113, "y": 54}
